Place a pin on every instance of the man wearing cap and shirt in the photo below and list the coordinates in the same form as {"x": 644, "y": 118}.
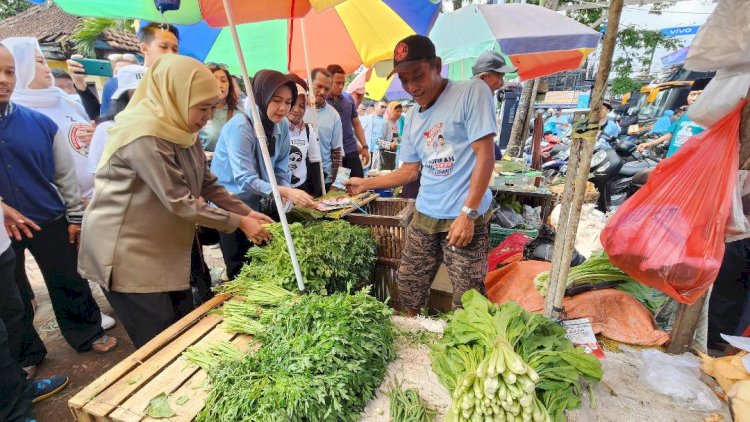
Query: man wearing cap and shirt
{"x": 449, "y": 136}
{"x": 558, "y": 122}
{"x": 491, "y": 68}
{"x": 683, "y": 128}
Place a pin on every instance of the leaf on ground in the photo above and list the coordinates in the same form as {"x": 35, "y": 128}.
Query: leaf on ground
{"x": 159, "y": 407}
{"x": 134, "y": 380}
{"x": 182, "y": 400}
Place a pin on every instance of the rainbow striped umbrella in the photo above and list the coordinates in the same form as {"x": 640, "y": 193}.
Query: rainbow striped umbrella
{"x": 350, "y": 34}
{"x": 537, "y": 40}
{"x": 194, "y": 11}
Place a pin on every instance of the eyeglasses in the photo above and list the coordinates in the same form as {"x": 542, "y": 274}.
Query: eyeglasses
{"x": 214, "y": 66}
{"x": 127, "y": 57}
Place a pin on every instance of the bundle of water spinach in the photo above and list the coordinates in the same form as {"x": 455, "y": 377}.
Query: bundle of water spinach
{"x": 501, "y": 363}
{"x": 321, "y": 358}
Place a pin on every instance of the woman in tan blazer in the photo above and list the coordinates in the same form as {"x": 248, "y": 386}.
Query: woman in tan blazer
{"x": 151, "y": 188}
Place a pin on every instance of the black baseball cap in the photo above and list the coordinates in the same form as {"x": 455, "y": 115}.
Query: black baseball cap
{"x": 411, "y": 50}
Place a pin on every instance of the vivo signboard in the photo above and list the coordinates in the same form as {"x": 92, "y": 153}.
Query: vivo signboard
{"x": 680, "y": 31}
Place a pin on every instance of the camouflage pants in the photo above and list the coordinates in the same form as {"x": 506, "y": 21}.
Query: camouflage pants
{"x": 421, "y": 260}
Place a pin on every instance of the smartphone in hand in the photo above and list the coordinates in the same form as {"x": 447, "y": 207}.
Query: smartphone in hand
{"x": 96, "y": 67}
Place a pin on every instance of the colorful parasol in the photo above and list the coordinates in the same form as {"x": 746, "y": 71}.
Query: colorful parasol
{"x": 350, "y": 34}
{"x": 194, "y": 11}
{"x": 537, "y": 40}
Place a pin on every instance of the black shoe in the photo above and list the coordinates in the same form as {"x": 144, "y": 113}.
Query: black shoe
{"x": 42, "y": 388}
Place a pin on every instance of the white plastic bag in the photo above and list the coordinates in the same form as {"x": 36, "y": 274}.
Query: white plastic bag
{"x": 738, "y": 226}
{"x": 724, "y": 40}
{"x": 721, "y": 96}
{"x": 678, "y": 376}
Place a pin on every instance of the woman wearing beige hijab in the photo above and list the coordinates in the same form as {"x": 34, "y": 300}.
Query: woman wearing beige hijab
{"x": 151, "y": 188}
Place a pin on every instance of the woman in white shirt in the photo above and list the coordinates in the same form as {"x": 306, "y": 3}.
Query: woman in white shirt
{"x": 304, "y": 152}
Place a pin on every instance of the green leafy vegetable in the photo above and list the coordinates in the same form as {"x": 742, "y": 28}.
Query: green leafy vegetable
{"x": 504, "y": 362}
{"x": 596, "y": 269}
{"x": 322, "y": 359}
{"x": 331, "y": 254}
{"x": 182, "y": 400}
{"x": 651, "y": 298}
{"x": 159, "y": 407}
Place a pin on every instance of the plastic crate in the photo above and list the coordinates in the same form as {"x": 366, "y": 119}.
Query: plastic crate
{"x": 498, "y": 234}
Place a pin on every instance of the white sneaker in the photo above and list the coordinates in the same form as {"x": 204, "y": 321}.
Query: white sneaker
{"x": 107, "y": 322}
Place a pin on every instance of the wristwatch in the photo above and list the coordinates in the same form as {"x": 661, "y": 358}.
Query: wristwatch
{"x": 472, "y": 213}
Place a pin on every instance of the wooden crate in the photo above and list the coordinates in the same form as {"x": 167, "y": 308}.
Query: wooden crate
{"x": 123, "y": 393}
{"x": 387, "y": 218}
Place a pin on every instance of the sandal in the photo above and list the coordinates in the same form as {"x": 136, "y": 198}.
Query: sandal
{"x": 104, "y": 344}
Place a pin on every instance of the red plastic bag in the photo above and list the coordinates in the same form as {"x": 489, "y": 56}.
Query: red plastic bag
{"x": 510, "y": 250}
{"x": 670, "y": 234}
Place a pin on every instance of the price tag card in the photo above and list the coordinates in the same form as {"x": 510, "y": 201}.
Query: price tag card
{"x": 580, "y": 332}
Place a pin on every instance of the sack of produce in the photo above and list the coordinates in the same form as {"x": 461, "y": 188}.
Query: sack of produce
{"x": 670, "y": 234}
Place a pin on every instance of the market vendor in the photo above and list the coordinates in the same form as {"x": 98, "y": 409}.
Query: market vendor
{"x": 449, "y": 137}
{"x": 152, "y": 187}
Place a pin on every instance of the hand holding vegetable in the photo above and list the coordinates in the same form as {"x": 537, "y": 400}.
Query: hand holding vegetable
{"x": 254, "y": 230}
{"x": 298, "y": 196}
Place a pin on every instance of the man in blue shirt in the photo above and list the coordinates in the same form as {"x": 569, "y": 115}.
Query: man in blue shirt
{"x": 374, "y": 125}
{"x": 355, "y": 144}
{"x": 608, "y": 127}
{"x": 329, "y": 127}
{"x": 559, "y": 122}
{"x": 450, "y": 138}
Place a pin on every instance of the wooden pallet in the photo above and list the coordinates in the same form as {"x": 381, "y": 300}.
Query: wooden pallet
{"x": 123, "y": 393}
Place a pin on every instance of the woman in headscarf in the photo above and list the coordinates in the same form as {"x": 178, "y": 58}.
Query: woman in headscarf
{"x": 389, "y": 139}
{"x": 152, "y": 187}
{"x": 238, "y": 162}
{"x": 226, "y": 109}
{"x": 304, "y": 150}
{"x": 662, "y": 124}
{"x": 36, "y": 90}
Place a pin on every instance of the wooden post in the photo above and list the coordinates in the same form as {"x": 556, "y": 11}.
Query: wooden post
{"x": 517, "y": 135}
{"x": 687, "y": 318}
{"x": 578, "y": 169}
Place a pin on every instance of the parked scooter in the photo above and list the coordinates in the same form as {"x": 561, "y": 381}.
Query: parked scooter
{"x": 614, "y": 173}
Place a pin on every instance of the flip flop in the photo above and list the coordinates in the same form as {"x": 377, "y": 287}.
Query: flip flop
{"x": 104, "y": 340}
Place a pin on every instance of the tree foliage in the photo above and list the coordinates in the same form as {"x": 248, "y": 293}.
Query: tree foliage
{"x": 10, "y": 8}
{"x": 637, "y": 47}
{"x": 90, "y": 29}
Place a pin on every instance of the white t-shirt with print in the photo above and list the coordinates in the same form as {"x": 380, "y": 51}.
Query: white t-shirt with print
{"x": 300, "y": 150}
{"x": 441, "y": 138}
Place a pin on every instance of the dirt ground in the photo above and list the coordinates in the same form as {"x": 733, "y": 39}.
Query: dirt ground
{"x": 619, "y": 398}
{"x": 82, "y": 368}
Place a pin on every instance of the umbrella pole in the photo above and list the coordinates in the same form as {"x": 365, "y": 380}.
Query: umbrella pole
{"x": 314, "y": 111}
{"x": 264, "y": 148}
{"x": 578, "y": 171}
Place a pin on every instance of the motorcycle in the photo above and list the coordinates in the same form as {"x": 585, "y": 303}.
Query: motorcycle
{"x": 614, "y": 172}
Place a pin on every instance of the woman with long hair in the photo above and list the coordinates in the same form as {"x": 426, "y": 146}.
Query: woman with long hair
{"x": 227, "y": 107}
{"x": 152, "y": 187}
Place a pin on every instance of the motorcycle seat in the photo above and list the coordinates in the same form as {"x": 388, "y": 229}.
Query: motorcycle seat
{"x": 630, "y": 170}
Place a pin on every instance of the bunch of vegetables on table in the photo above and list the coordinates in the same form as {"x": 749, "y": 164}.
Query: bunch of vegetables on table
{"x": 318, "y": 358}
{"x": 501, "y": 363}
{"x": 331, "y": 254}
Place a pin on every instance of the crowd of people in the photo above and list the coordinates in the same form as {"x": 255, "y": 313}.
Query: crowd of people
{"x": 113, "y": 193}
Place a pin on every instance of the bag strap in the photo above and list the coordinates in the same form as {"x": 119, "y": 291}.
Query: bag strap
{"x": 258, "y": 168}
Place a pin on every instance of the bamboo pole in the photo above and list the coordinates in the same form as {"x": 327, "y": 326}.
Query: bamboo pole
{"x": 264, "y": 147}
{"x": 578, "y": 170}
{"x": 309, "y": 89}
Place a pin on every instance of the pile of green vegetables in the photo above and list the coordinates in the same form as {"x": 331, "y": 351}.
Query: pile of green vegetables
{"x": 502, "y": 363}
{"x": 321, "y": 357}
{"x": 596, "y": 269}
{"x": 407, "y": 406}
{"x": 331, "y": 254}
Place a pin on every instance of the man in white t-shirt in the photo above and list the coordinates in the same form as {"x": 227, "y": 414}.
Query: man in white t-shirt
{"x": 450, "y": 138}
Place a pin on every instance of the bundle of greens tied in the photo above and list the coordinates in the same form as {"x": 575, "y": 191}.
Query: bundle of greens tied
{"x": 331, "y": 255}
{"x": 596, "y": 269}
{"x": 320, "y": 358}
{"x": 501, "y": 363}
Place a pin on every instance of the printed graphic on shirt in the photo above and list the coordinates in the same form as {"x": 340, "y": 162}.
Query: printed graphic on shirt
{"x": 686, "y": 131}
{"x": 74, "y": 138}
{"x": 295, "y": 161}
{"x": 441, "y": 157}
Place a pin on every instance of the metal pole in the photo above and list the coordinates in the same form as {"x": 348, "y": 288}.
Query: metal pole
{"x": 575, "y": 183}
{"x": 314, "y": 111}
{"x": 264, "y": 148}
